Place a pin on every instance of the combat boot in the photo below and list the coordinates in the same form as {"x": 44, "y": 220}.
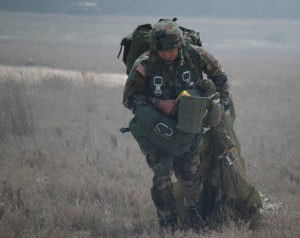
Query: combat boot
{"x": 169, "y": 227}
{"x": 195, "y": 219}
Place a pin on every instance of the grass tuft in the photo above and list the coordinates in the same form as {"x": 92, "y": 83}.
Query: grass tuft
{"x": 16, "y": 111}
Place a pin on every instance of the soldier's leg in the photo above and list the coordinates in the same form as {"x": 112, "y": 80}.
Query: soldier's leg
{"x": 187, "y": 172}
{"x": 161, "y": 192}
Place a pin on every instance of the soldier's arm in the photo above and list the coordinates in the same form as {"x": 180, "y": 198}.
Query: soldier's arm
{"x": 213, "y": 113}
{"x": 134, "y": 93}
{"x": 214, "y": 71}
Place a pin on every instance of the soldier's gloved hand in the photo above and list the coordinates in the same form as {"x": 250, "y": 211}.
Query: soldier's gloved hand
{"x": 169, "y": 107}
{"x": 208, "y": 87}
{"x": 224, "y": 103}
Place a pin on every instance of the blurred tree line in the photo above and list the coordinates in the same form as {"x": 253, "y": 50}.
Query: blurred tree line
{"x": 211, "y": 8}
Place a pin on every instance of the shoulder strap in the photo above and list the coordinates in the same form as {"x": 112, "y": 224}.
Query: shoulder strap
{"x": 192, "y": 54}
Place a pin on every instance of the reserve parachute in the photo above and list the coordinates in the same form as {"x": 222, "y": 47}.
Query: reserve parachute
{"x": 174, "y": 134}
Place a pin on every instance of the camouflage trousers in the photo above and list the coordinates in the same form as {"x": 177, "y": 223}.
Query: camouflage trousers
{"x": 187, "y": 171}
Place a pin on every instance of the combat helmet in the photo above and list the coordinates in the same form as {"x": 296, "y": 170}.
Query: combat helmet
{"x": 165, "y": 35}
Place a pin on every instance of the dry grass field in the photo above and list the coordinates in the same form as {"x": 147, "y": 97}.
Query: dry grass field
{"x": 67, "y": 171}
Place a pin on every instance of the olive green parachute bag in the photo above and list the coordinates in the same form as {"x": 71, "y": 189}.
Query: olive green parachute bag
{"x": 223, "y": 177}
{"x": 223, "y": 170}
{"x": 174, "y": 134}
{"x": 153, "y": 129}
{"x": 191, "y": 113}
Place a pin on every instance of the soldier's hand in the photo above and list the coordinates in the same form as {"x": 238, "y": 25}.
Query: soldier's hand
{"x": 169, "y": 107}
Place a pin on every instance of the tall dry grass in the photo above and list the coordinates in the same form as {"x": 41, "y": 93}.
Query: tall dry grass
{"x": 76, "y": 175}
{"x": 16, "y": 112}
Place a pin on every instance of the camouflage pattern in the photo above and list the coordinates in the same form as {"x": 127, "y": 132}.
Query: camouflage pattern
{"x": 139, "y": 90}
{"x": 136, "y": 85}
{"x": 187, "y": 171}
{"x": 210, "y": 66}
{"x": 165, "y": 35}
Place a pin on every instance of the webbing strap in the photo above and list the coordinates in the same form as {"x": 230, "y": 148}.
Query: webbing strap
{"x": 195, "y": 57}
{"x": 120, "y": 50}
{"x": 124, "y": 129}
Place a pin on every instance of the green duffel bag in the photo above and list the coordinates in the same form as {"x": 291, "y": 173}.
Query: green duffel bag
{"x": 151, "y": 127}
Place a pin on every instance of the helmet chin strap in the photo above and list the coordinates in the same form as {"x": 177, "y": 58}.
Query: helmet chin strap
{"x": 170, "y": 61}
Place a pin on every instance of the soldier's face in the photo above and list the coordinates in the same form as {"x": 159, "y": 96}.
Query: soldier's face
{"x": 168, "y": 55}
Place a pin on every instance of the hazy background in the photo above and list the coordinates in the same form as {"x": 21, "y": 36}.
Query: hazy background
{"x": 207, "y": 8}
{"x": 85, "y": 35}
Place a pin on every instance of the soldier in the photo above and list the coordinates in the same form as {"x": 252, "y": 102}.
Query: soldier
{"x": 156, "y": 79}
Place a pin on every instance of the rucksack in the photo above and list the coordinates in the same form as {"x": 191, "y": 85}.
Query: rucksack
{"x": 137, "y": 42}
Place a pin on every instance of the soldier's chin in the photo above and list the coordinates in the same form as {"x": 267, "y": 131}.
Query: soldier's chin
{"x": 169, "y": 61}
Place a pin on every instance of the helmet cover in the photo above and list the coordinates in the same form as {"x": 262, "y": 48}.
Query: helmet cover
{"x": 166, "y": 35}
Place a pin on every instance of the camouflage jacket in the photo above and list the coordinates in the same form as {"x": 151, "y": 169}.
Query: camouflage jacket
{"x": 140, "y": 86}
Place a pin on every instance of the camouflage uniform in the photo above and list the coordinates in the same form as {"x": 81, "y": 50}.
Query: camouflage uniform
{"x": 140, "y": 90}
